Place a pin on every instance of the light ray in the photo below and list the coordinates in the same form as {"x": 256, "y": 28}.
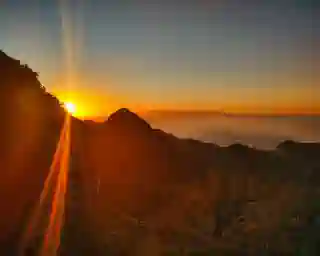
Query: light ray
{"x": 33, "y": 223}
{"x": 60, "y": 164}
{"x": 71, "y": 16}
{"x": 51, "y": 242}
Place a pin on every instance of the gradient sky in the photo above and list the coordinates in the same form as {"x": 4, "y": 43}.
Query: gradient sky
{"x": 242, "y": 56}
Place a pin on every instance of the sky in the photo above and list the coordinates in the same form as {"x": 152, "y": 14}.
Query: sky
{"x": 234, "y": 56}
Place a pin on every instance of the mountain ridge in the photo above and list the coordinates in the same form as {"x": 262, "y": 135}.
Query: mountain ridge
{"x": 175, "y": 193}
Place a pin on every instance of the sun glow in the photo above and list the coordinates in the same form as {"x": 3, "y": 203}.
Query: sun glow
{"x": 89, "y": 104}
{"x": 70, "y": 107}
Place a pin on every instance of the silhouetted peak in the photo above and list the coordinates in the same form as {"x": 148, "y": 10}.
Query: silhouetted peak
{"x": 237, "y": 147}
{"x": 299, "y": 147}
{"x": 7, "y": 62}
{"x": 20, "y": 89}
{"x": 14, "y": 74}
{"x": 125, "y": 119}
{"x": 286, "y": 144}
{"x": 2, "y": 54}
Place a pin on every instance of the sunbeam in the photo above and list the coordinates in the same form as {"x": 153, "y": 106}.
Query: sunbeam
{"x": 51, "y": 242}
{"x": 35, "y": 217}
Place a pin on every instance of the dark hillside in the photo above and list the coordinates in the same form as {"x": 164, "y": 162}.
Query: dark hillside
{"x": 30, "y": 125}
{"x": 134, "y": 190}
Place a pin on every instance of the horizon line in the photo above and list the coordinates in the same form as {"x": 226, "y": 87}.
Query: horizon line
{"x": 174, "y": 112}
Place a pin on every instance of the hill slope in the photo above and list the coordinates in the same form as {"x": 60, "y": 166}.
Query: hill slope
{"x": 144, "y": 192}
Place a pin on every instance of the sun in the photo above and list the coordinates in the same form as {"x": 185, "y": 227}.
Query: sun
{"x": 70, "y": 107}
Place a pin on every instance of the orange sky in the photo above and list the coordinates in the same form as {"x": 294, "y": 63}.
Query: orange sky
{"x": 101, "y": 55}
{"x": 93, "y": 103}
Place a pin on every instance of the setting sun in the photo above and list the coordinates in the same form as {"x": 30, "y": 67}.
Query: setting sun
{"x": 70, "y": 107}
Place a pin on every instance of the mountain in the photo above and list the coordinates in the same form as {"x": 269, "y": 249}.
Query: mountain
{"x": 31, "y": 120}
{"x": 136, "y": 190}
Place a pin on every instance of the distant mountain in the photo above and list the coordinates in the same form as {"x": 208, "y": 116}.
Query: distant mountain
{"x": 158, "y": 114}
{"x": 174, "y": 114}
{"x": 145, "y": 192}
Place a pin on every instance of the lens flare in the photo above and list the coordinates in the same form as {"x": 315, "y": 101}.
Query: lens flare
{"x": 70, "y": 107}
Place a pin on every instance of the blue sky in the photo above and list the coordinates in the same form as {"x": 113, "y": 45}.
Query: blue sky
{"x": 171, "y": 54}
